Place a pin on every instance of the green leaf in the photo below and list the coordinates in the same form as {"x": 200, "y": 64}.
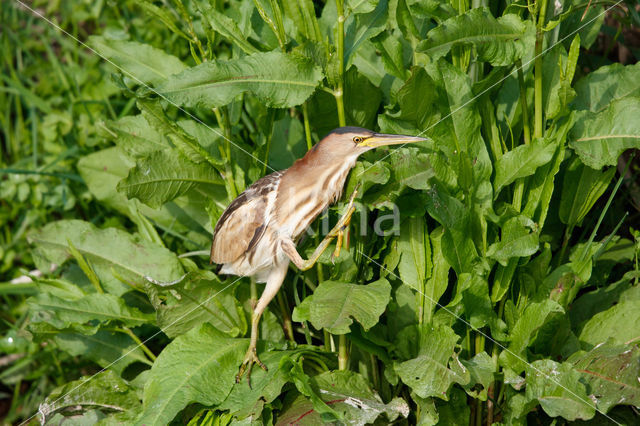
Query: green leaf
{"x": 618, "y": 323}
{"x": 482, "y": 369}
{"x": 265, "y": 386}
{"x": 436, "y": 367}
{"x": 140, "y": 62}
{"x": 459, "y": 134}
{"x": 104, "y": 391}
{"x": 360, "y": 27}
{"x": 105, "y": 348}
{"x": 581, "y": 188}
{"x": 611, "y": 374}
{"x": 225, "y": 26}
{"x": 164, "y": 16}
{"x": 303, "y": 15}
{"x": 601, "y": 299}
{"x": 596, "y": 90}
{"x": 287, "y": 143}
{"x": 163, "y": 176}
{"x": 415, "y": 261}
{"x": 102, "y": 170}
{"x": 559, "y": 390}
{"x": 392, "y": 53}
{"x": 586, "y": 25}
{"x": 439, "y": 281}
{"x": 524, "y": 332}
{"x": 499, "y": 41}
{"x": 199, "y": 299}
{"x": 187, "y": 144}
{"x": 562, "y": 93}
{"x": 352, "y": 396}
{"x": 474, "y": 292}
{"x": 280, "y": 80}
{"x": 334, "y": 303}
{"x": 418, "y": 99}
{"x": 522, "y": 161}
{"x": 135, "y": 136}
{"x": 367, "y": 175}
{"x": 516, "y": 241}
{"x": 459, "y": 250}
{"x": 360, "y": 6}
{"x": 456, "y": 411}
{"x": 197, "y": 367}
{"x": 304, "y": 385}
{"x": 411, "y": 168}
{"x": 406, "y": 22}
{"x": 541, "y": 185}
{"x": 130, "y": 257}
{"x": 599, "y": 138}
{"x": 104, "y": 308}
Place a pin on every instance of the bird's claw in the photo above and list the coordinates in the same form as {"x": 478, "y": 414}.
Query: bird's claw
{"x": 250, "y": 358}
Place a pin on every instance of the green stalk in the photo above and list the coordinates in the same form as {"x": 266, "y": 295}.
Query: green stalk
{"x": 538, "y": 123}
{"x": 277, "y": 13}
{"x": 192, "y": 33}
{"x": 327, "y": 340}
{"x": 286, "y": 318}
{"x": 339, "y": 92}
{"x": 145, "y": 349}
{"x": 565, "y": 244}
{"x": 343, "y": 357}
{"x": 605, "y": 209}
{"x": 269, "y": 139}
{"x": 307, "y": 127}
{"x": 226, "y": 152}
{"x": 277, "y": 27}
{"x": 523, "y": 104}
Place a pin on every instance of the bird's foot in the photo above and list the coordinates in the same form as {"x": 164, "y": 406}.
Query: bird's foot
{"x": 250, "y": 358}
{"x": 342, "y": 225}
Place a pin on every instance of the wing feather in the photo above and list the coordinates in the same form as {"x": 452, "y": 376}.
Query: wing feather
{"x": 243, "y": 223}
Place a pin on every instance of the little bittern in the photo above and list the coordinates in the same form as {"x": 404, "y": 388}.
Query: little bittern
{"x": 256, "y": 234}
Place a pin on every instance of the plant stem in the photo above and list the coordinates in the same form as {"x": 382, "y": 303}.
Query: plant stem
{"x": 605, "y": 209}
{"x": 523, "y": 104}
{"x": 269, "y": 139}
{"x": 307, "y": 127}
{"x": 286, "y": 318}
{"x": 538, "y": 124}
{"x": 479, "y": 342}
{"x": 565, "y": 244}
{"x": 343, "y": 357}
{"x": 339, "y": 92}
{"x": 375, "y": 377}
{"x": 226, "y": 152}
{"x": 145, "y": 349}
{"x": 277, "y": 27}
{"x": 327, "y": 340}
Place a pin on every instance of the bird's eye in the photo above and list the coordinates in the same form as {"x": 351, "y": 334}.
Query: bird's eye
{"x": 357, "y": 139}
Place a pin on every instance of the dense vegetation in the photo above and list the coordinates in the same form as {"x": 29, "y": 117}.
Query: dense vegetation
{"x": 506, "y": 292}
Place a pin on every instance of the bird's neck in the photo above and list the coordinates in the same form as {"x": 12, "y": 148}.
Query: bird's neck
{"x": 308, "y": 187}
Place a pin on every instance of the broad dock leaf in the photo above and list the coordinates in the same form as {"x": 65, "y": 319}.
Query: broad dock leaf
{"x": 280, "y": 80}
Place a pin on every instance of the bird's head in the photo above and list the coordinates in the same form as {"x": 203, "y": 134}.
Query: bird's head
{"x": 353, "y": 141}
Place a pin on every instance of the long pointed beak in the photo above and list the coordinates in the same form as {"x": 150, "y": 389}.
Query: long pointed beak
{"x": 381, "y": 139}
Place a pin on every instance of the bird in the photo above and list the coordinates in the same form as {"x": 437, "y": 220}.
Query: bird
{"x": 256, "y": 234}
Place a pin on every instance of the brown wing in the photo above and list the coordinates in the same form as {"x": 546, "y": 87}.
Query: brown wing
{"x": 242, "y": 224}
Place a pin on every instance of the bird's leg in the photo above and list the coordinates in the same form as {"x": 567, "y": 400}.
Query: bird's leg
{"x": 274, "y": 281}
{"x": 291, "y": 251}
